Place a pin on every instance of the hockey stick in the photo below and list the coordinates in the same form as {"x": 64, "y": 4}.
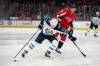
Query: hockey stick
{"x": 79, "y": 49}
{"x": 14, "y": 59}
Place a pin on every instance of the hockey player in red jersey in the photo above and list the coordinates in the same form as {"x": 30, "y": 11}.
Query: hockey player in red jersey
{"x": 66, "y": 17}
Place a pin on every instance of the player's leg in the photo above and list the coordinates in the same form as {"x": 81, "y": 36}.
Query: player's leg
{"x": 96, "y": 30}
{"x": 32, "y": 44}
{"x": 90, "y": 28}
{"x": 53, "y": 45}
{"x": 61, "y": 42}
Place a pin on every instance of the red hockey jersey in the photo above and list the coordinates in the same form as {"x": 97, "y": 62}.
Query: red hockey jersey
{"x": 67, "y": 18}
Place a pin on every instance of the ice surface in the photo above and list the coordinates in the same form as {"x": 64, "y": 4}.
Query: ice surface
{"x": 13, "y": 39}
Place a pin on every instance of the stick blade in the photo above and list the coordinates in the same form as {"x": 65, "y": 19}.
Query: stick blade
{"x": 83, "y": 54}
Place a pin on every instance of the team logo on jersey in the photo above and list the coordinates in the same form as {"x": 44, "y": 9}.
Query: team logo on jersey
{"x": 68, "y": 19}
{"x": 49, "y": 32}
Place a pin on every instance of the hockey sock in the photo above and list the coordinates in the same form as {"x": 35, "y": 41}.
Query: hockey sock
{"x": 31, "y": 45}
{"x": 53, "y": 46}
{"x": 60, "y": 44}
{"x": 95, "y": 31}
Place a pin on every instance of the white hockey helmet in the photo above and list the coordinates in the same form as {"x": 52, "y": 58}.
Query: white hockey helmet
{"x": 53, "y": 23}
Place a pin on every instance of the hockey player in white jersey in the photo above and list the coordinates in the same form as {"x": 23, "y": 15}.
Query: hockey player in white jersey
{"x": 95, "y": 21}
{"x": 47, "y": 32}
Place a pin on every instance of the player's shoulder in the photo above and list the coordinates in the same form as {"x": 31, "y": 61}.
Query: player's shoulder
{"x": 73, "y": 15}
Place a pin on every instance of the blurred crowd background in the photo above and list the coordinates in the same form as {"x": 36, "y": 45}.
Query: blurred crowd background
{"x": 33, "y": 9}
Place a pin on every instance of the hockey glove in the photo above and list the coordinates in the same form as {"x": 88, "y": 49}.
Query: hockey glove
{"x": 71, "y": 31}
{"x": 40, "y": 27}
{"x": 72, "y": 38}
{"x": 64, "y": 31}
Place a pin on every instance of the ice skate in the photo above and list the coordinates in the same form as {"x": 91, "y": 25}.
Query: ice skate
{"x": 58, "y": 50}
{"x": 47, "y": 54}
{"x": 24, "y": 53}
{"x": 95, "y": 35}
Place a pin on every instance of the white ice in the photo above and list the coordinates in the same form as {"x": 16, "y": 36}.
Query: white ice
{"x": 13, "y": 39}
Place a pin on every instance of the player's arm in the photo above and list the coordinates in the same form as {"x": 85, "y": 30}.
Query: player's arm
{"x": 62, "y": 12}
{"x": 71, "y": 23}
{"x": 70, "y": 35}
{"x": 61, "y": 15}
{"x": 41, "y": 23}
{"x": 71, "y": 28}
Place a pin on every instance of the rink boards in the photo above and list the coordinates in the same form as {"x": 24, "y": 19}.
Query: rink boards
{"x": 81, "y": 25}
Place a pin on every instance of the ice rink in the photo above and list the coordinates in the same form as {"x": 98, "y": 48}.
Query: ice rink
{"x": 13, "y": 39}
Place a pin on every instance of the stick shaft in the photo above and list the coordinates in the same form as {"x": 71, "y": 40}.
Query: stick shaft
{"x": 25, "y": 44}
{"x": 79, "y": 49}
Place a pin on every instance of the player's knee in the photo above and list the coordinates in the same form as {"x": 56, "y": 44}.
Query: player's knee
{"x": 55, "y": 42}
{"x": 63, "y": 37}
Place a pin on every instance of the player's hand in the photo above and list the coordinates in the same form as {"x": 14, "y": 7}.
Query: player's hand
{"x": 72, "y": 38}
{"x": 40, "y": 27}
{"x": 71, "y": 31}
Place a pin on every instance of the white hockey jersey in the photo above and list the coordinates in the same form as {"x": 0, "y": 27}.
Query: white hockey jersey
{"x": 95, "y": 20}
{"x": 48, "y": 29}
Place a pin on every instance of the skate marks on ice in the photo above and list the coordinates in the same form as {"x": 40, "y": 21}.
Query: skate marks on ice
{"x": 70, "y": 55}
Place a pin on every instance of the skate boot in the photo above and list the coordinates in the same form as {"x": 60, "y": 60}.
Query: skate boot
{"x": 95, "y": 35}
{"x": 47, "y": 54}
{"x": 24, "y": 53}
{"x": 58, "y": 50}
